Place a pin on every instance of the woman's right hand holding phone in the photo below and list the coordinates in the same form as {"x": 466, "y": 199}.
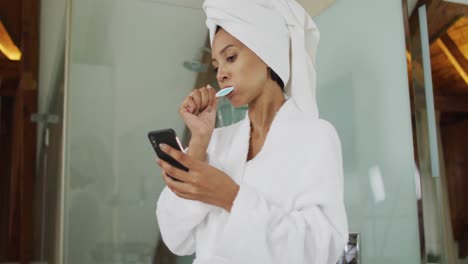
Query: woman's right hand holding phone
{"x": 198, "y": 110}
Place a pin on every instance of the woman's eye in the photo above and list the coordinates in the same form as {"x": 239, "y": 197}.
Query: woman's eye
{"x": 231, "y": 58}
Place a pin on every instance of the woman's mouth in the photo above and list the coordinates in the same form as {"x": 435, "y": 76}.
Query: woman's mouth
{"x": 229, "y": 96}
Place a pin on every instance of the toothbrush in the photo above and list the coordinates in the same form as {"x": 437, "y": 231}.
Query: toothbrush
{"x": 225, "y": 91}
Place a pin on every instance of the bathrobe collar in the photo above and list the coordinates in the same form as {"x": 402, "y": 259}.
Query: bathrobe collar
{"x": 238, "y": 154}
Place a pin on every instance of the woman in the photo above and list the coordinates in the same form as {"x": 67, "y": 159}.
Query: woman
{"x": 269, "y": 188}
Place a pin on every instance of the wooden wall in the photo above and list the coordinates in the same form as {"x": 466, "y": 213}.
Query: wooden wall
{"x": 455, "y": 141}
{"x": 18, "y": 91}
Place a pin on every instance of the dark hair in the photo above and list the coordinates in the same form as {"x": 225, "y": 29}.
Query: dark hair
{"x": 274, "y": 76}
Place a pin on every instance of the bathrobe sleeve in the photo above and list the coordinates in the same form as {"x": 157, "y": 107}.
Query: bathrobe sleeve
{"x": 313, "y": 230}
{"x": 178, "y": 218}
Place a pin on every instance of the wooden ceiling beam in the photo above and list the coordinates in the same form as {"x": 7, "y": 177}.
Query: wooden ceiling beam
{"x": 440, "y": 16}
{"x": 454, "y": 55}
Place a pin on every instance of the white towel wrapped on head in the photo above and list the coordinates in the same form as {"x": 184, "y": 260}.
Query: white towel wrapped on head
{"x": 274, "y": 29}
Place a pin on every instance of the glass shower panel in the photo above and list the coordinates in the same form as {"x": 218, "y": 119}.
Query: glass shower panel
{"x": 126, "y": 78}
{"x": 363, "y": 90}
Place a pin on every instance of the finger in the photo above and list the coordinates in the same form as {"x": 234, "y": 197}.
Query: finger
{"x": 167, "y": 179}
{"x": 215, "y": 105}
{"x": 170, "y": 181}
{"x": 211, "y": 97}
{"x": 197, "y": 99}
{"x": 186, "y": 196}
{"x": 187, "y": 105}
{"x": 175, "y": 186}
{"x": 193, "y": 105}
{"x": 173, "y": 171}
{"x": 181, "y": 157}
{"x": 205, "y": 98}
{"x": 181, "y": 189}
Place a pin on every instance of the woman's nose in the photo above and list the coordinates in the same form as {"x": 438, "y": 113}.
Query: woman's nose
{"x": 221, "y": 75}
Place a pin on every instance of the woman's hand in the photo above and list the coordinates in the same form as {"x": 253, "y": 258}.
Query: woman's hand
{"x": 198, "y": 111}
{"x": 202, "y": 182}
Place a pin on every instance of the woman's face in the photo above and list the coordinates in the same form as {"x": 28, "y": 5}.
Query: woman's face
{"x": 236, "y": 65}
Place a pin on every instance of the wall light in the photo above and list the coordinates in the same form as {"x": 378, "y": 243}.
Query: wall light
{"x": 7, "y": 46}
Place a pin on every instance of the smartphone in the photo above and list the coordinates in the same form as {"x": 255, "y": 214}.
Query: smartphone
{"x": 168, "y": 137}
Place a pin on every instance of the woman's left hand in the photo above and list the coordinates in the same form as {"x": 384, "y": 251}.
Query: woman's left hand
{"x": 202, "y": 182}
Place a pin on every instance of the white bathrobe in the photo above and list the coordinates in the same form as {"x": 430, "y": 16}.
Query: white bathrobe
{"x": 289, "y": 208}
